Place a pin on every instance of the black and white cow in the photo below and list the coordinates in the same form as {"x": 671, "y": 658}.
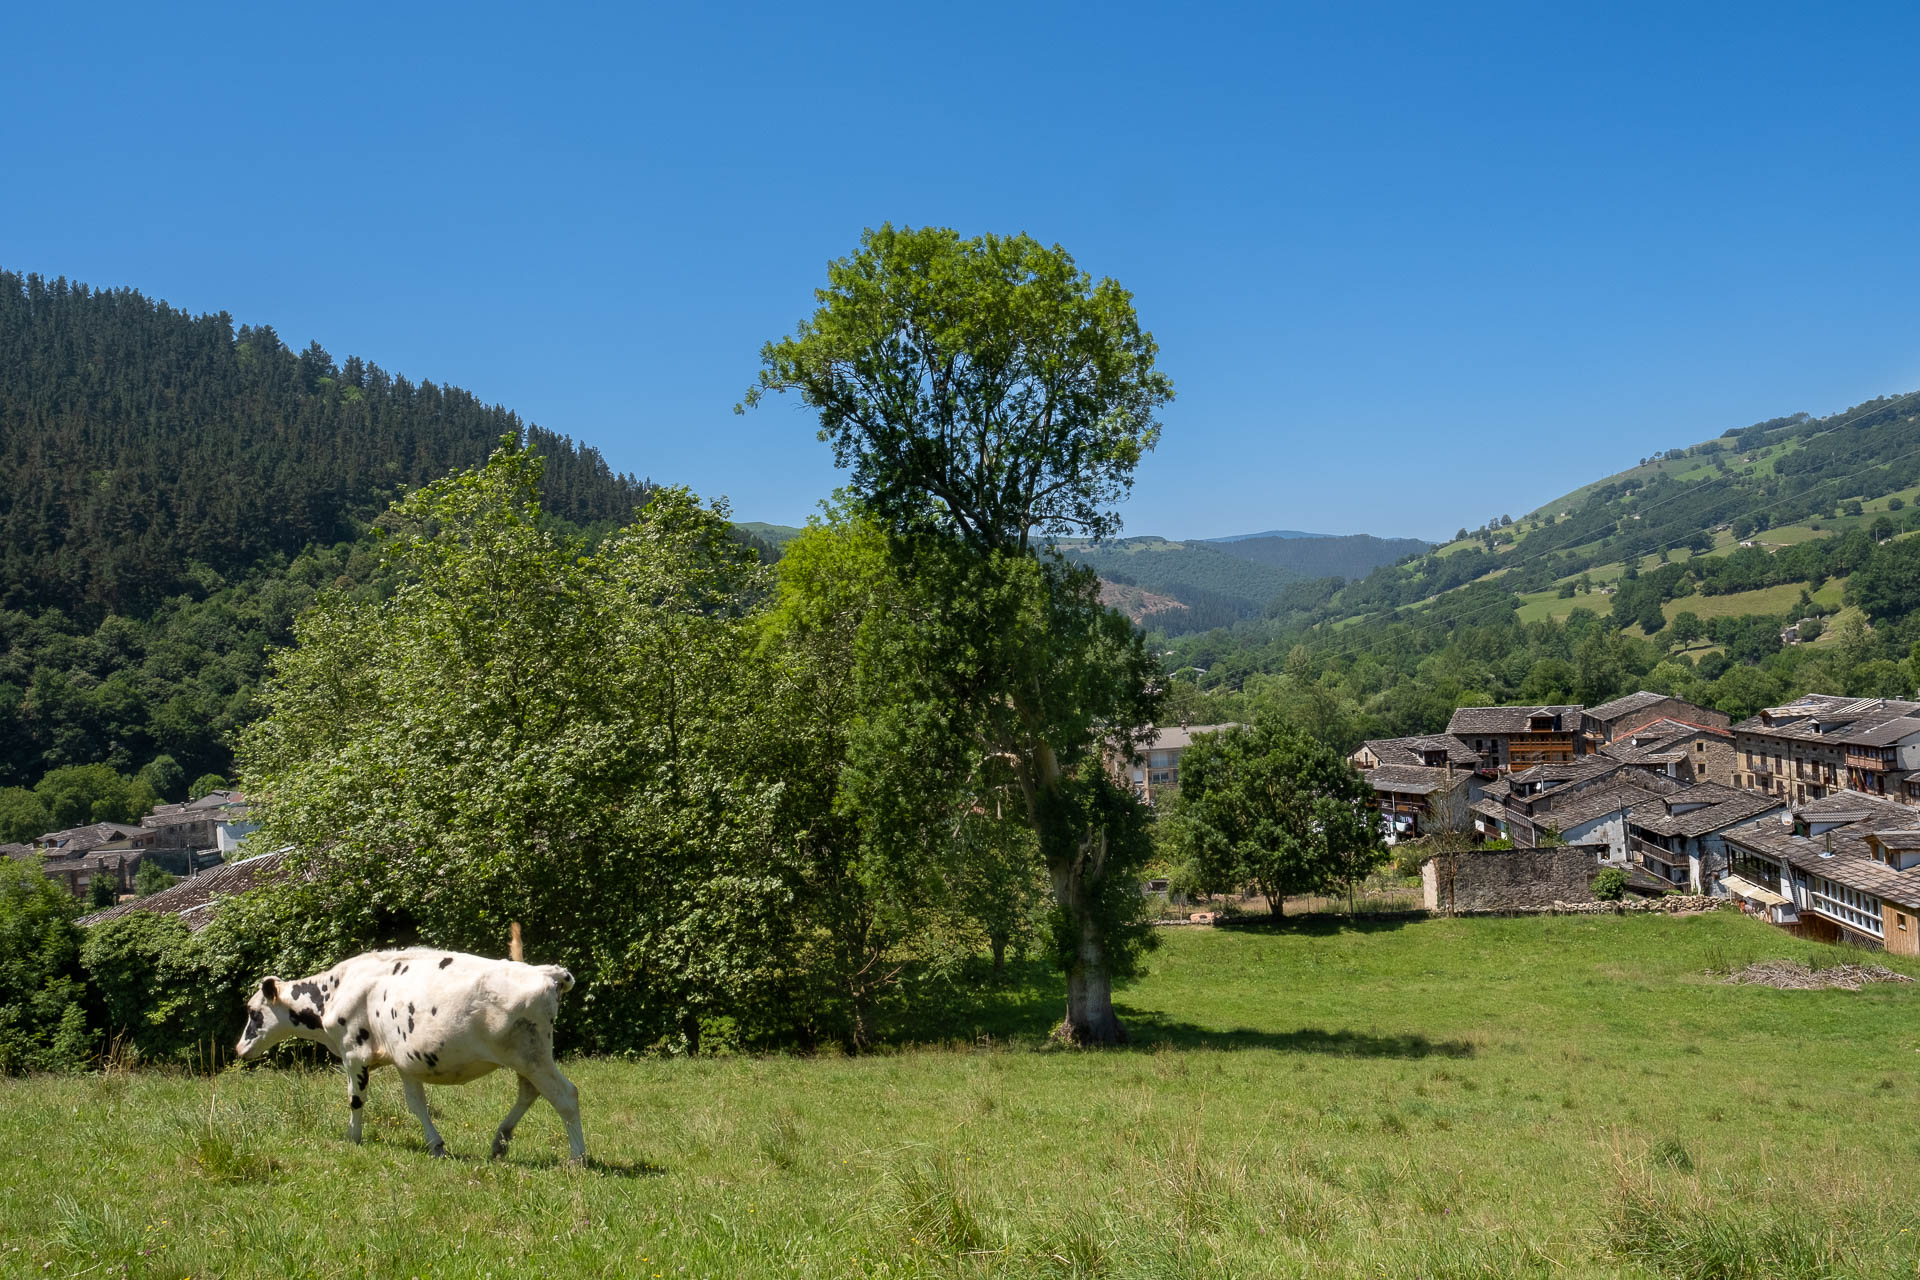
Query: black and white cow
{"x": 438, "y": 1017}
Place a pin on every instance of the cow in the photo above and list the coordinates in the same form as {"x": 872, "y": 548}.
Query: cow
{"x": 437, "y": 1017}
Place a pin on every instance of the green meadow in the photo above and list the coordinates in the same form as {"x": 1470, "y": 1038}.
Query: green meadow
{"x": 1577, "y": 1096}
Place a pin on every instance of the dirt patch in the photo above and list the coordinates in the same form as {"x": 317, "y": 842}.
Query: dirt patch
{"x": 1791, "y": 975}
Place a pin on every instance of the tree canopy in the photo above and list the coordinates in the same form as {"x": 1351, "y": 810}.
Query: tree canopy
{"x": 988, "y": 387}
{"x": 1272, "y": 808}
{"x": 981, "y": 392}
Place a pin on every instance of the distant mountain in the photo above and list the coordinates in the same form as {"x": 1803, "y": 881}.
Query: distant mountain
{"x": 1271, "y": 533}
{"x": 774, "y": 535}
{"x": 1219, "y": 583}
{"x": 1325, "y": 555}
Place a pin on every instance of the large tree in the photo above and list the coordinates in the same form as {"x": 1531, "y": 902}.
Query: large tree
{"x": 1273, "y": 808}
{"x": 988, "y": 396}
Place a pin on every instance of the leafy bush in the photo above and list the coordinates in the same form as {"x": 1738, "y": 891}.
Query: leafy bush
{"x": 1610, "y": 885}
{"x": 173, "y": 995}
{"x": 151, "y": 878}
{"x": 43, "y": 1021}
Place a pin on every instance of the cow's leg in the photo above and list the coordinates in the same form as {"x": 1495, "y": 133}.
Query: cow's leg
{"x": 417, "y": 1103}
{"x": 528, "y": 1094}
{"x": 560, "y": 1091}
{"x": 356, "y": 1095}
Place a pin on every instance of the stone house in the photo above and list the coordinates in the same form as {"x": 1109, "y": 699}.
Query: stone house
{"x": 1433, "y": 751}
{"x": 1822, "y": 744}
{"x": 1685, "y": 752}
{"x": 1414, "y": 800}
{"x": 1613, "y": 720}
{"x": 1842, "y": 868}
{"x": 1512, "y": 738}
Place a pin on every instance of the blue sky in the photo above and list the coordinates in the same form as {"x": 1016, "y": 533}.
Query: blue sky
{"x": 1410, "y": 266}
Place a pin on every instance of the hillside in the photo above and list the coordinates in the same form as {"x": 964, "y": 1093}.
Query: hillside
{"x": 138, "y": 442}
{"x": 1776, "y": 484}
{"x": 1220, "y": 582}
{"x": 173, "y": 489}
{"x": 1776, "y": 560}
{"x": 1325, "y": 555}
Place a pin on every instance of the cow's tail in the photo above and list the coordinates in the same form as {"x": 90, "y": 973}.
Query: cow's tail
{"x": 560, "y": 977}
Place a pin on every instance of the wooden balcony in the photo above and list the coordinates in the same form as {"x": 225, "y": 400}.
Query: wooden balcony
{"x": 1646, "y": 849}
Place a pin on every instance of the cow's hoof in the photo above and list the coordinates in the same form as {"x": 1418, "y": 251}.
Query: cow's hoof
{"x": 438, "y": 1151}
{"x": 499, "y": 1147}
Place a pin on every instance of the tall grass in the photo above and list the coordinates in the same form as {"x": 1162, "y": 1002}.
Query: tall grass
{"x": 1326, "y": 1097}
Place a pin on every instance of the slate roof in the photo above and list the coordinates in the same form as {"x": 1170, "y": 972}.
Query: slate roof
{"x": 1643, "y": 757}
{"x": 1886, "y": 733}
{"x": 1408, "y": 750}
{"x": 1840, "y": 855}
{"x": 1504, "y": 720}
{"x": 1412, "y": 779}
{"x": 78, "y": 840}
{"x": 1821, "y": 717}
{"x": 1725, "y": 807}
{"x": 1598, "y": 773}
{"x": 1669, "y": 727}
{"x": 1626, "y": 706}
{"x": 1598, "y": 802}
{"x": 194, "y": 898}
{"x": 1555, "y": 772}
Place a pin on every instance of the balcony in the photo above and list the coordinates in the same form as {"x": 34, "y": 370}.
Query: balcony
{"x": 1874, "y": 761}
{"x": 1645, "y": 849}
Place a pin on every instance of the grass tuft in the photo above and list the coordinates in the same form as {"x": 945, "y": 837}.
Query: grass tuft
{"x": 936, "y": 1208}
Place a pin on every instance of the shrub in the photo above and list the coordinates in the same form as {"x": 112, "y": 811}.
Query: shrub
{"x": 151, "y": 878}
{"x": 43, "y": 1020}
{"x": 1610, "y": 884}
{"x": 173, "y": 995}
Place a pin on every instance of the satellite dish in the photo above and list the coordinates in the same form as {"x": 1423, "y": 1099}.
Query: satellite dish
{"x": 1786, "y": 819}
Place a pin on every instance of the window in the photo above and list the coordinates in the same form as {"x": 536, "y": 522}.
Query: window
{"x": 1899, "y": 922}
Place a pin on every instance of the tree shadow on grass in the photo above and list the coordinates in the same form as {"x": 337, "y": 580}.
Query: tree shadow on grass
{"x": 600, "y": 1166}
{"x": 1147, "y": 1028}
{"x": 1322, "y": 924}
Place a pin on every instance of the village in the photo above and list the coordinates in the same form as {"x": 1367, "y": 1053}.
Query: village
{"x": 1806, "y": 815}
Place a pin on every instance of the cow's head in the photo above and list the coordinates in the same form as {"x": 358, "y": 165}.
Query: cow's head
{"x": 269, "y": 1020}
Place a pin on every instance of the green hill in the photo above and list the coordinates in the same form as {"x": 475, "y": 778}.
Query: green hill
{"x": 1776, "y": 484}
{"x": 1684, "y": 574}
{"x": 141, "y": 446}
{"x": 777, "y": 535}
{"x": 1325, "y": 556}
{"x": 173, "y": 489}
{"x": 1220, "y": 583}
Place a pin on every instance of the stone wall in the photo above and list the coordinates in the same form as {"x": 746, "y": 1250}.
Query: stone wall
{"x": 1509, "y": 880}
{"x": 1668, "y": 903}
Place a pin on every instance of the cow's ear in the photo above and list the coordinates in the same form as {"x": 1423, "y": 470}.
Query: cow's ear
{"x": 270, "y": 988}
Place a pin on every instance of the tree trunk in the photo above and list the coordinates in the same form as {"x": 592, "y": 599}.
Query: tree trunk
{"x": 1076, "y": 859}
{"x": 1090, "y": 1017}
{"x": 998, "y": 940}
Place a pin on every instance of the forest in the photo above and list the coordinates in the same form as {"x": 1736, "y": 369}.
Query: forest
{"x": 1231, "y": 580}
{"x": 1405, "y": 673}
{"x": 175, "y": 489}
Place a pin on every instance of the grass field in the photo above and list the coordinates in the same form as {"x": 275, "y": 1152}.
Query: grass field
{"x": 1568, "y": 1097}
